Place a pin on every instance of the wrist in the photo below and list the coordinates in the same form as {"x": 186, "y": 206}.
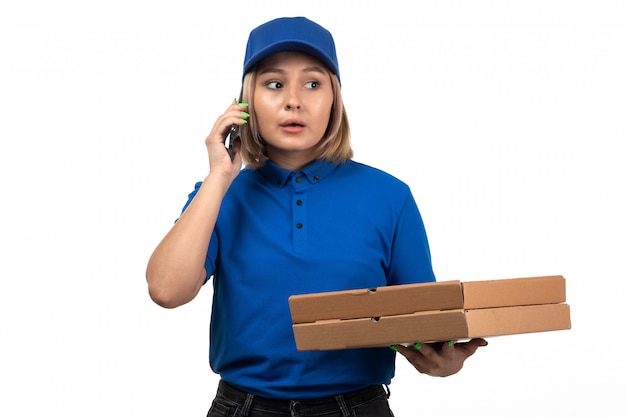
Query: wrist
{"x": 217, "y": 182}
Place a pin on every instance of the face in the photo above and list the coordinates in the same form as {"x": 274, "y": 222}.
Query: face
{"x": 293, "y": 98}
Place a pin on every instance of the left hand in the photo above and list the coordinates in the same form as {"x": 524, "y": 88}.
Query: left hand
{"x": 436, "y": 359}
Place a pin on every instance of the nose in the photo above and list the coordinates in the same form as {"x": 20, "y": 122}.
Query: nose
{"x": 292, "y": 99}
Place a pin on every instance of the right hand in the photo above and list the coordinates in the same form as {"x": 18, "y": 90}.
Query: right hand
{"x": 219, "y": 159}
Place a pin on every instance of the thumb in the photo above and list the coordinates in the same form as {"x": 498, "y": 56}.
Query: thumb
{"x": 473, "y": 345}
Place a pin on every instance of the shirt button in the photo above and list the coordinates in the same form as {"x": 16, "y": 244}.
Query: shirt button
{"x": 299, "y": 225}
{"x": 316, "y": 178}
{"x": 299, "y": 202}
{"x": 299, "y": 179}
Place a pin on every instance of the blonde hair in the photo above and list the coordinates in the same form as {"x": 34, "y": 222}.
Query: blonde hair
{"x": 333, "y": 147}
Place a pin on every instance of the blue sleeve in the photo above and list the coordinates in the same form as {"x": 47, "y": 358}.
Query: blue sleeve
{"x": 410, "y": 252}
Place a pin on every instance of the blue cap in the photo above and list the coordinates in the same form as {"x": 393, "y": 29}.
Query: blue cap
{"x": 297, "y": 34}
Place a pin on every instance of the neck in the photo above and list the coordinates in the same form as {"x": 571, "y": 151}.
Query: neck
{"x": 293, "y": 161}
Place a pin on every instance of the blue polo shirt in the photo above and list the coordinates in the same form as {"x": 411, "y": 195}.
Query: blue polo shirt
{"x": 328, "y": 227}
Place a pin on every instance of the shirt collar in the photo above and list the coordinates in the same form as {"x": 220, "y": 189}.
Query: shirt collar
{"x": 313, "y": 172}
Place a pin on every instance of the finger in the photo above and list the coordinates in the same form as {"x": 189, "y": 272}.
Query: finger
{"x": 480, "y": 341}
{"x": 476, "y": 343}
{"x": 400, "y": 349}
{"x": 235, "y": 114}
{"x": 233, "y": 117}
{"x": 447, "y": 348}
{"x": 410, "y": 353}
{"x": 423, "y": 356}
{"x": 413, "y": 356}
{"x": 427, "y": 350}
{"x": 237, "y": 109}
{"x": 469, "y": 348}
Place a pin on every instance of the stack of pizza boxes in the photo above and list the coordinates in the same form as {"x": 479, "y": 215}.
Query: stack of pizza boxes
{"x": 428, "y": 312}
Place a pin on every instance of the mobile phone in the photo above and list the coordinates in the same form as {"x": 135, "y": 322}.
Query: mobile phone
{"x": 232, "y": 135}
{"x": 229, "y": 142}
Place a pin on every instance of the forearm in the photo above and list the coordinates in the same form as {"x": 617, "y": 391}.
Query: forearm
{"x": 175, "y": 271}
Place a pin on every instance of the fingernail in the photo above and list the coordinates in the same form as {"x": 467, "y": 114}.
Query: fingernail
{"x": 394, "y": 348}
{"x": 243, "y": 120}
{"x": 418, "y": 346}
{"x": 450, "y": 343}
{"x": 486, "y": 343}
{"x": 245, "y": 114}
{"x": 243, "y": 104}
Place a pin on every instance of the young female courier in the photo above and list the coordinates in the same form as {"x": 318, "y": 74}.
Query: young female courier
{"x": 292, "y": 213}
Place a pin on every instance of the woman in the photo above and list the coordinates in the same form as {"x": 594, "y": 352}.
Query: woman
{"x": 301, "y": 217}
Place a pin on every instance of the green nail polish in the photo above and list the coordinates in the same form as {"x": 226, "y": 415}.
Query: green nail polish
{"x": 418, "y": 346}
{"x": 243, "y": 104}
{"x": 450, "y": 343}
{"x": 243, "y": 120}
{"x": 245, "y": 114}
{"x": 394, "y": 348}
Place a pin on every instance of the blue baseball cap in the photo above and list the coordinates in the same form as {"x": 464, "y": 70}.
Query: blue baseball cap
{"x": 297, "y": 34}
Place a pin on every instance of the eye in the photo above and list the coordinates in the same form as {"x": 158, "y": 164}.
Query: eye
{"x": 312, "y": 84}
{"x": 273, "y": 84}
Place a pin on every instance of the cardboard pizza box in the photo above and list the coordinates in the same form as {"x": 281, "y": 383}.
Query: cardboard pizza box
{"x": 376, "y": 302}
{"x": 431, "y": 326}
{"x": 445, "y": 310}
{"x": 442, "y": 295}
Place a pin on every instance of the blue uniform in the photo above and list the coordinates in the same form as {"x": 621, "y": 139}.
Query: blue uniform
{"x": 328, "y": 227}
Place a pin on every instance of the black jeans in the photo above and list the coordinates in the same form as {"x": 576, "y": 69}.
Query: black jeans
{"x": 368, "y": 402}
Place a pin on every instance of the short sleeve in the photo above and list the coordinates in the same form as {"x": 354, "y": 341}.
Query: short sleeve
{"x": 410, "y": 253}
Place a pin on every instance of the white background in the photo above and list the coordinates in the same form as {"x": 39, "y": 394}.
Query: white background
{"x": 506, "y": 118}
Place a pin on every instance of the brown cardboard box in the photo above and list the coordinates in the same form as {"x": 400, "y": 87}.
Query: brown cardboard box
{"x": 513, "y": 292}
{"x": 431, "y": 326}
{"x": 376, "y": 302}
{"x": 446, "y": 310}
{"x": 442, "y": 295}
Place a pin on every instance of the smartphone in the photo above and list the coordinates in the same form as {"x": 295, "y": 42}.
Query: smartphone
{"x": 229, "y": 142}
{"x": 232, "y": 135}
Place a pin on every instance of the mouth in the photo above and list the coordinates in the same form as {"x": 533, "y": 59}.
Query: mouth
{"x": 293, "y": 123}
{"x": 293, "y": 126}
